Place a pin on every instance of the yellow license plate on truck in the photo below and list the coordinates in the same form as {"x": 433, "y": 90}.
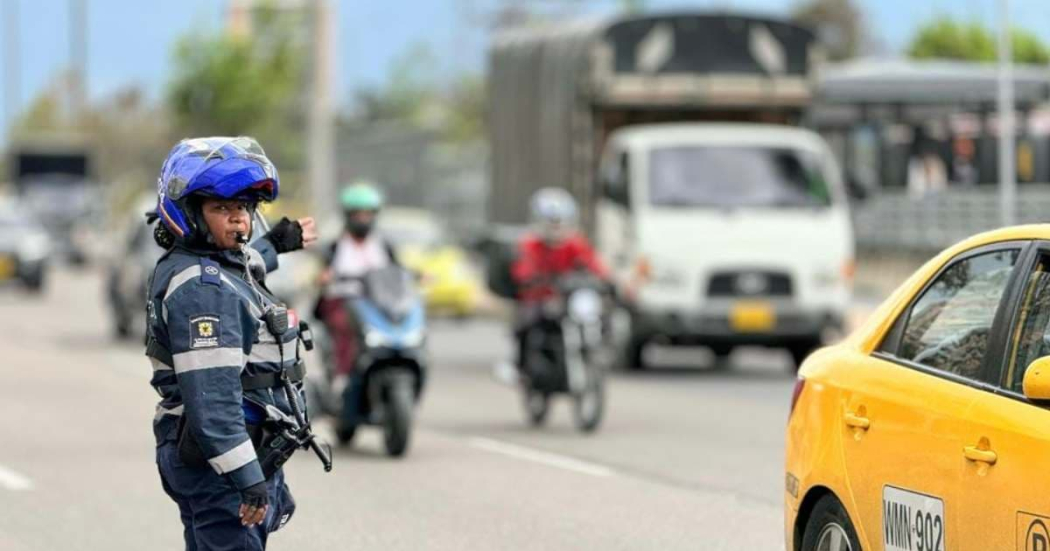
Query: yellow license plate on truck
{"x": 752, "y": 317}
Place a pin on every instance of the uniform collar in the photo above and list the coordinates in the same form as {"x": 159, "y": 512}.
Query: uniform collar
{"x": 228, "y": 259}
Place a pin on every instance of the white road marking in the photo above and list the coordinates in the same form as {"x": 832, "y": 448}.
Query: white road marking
{"x": 542, "y": 457}
{"x": 13, "y": 481}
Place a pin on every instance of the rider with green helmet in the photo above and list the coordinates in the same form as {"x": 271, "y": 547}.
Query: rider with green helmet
{"x": 358, "y": 251}
{"x": 361, "y": 202}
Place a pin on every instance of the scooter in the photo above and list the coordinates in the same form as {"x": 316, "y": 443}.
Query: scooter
{"x": 390, "y": 369}
{"x": 566, "y": 352}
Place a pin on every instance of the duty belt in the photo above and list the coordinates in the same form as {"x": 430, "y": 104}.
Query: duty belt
{"x": 295, "y": 374}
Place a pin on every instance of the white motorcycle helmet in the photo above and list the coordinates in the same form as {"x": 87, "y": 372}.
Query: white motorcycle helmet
{"x": 553, "y": 213}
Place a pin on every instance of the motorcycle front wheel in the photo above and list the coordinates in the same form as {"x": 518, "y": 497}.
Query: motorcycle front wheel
{"x": 397, "y": 421}
{"x": 537, "y": 404}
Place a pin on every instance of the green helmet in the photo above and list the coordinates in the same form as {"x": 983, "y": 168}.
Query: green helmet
{"x": 361, "y": 195}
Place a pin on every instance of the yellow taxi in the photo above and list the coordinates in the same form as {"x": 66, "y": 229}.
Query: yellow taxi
{"x": 928, "y": 429}
{"x": 448, "y": 282}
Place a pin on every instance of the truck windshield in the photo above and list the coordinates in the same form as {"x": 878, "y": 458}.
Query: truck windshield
{"x": 691, "y": 176}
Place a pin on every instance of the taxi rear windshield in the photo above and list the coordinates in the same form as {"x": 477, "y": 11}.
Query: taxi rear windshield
{"x": 706, "y": 176}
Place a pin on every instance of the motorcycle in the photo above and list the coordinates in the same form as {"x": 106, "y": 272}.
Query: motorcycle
{"x": 390, "y": 368}
{"x": 565, "y": 351}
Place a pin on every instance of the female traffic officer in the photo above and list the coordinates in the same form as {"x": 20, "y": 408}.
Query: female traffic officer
{"x": 214, "y": 358}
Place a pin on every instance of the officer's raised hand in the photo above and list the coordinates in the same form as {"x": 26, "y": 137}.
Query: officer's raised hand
{"x": 254, "y": 504}
{"x": 288, "y": 235}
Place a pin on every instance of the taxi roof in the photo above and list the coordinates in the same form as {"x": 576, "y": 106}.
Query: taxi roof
{"x": 1011, "y": 233}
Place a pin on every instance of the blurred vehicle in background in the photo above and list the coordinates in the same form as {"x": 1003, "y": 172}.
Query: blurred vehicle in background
{"x": 749, "y": 224}
{"x": 448, "y": 282}
{"x": 723, "y": 223}
{"x": 129, "y": 269}
{"x": 565, "y": 351}
{"x": 25, "y": 248}
{"x": 53, "y": 178}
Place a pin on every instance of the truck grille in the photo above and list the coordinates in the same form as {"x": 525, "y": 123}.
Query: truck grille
{"x": 751, "y": 283}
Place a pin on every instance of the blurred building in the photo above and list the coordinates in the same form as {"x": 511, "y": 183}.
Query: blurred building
{"x": 921, "y": 138}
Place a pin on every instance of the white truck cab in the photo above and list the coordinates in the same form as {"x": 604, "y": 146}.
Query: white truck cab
{"x": 725, "y": 235}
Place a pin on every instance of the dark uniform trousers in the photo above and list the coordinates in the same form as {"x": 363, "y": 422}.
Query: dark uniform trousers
{"x": 209, "y": 505}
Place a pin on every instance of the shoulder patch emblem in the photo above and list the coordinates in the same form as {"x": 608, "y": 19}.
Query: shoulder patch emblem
{"x": 211, "y": 270}
{"x": 204, "y": 331}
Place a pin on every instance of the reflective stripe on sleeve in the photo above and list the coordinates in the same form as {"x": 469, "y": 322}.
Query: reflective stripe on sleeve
{"x": 208, "y": 358}
{"x": 269, "y": 352}
{"x": 234, "y": 459}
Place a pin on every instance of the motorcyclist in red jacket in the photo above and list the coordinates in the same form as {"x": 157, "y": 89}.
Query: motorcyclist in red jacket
{"x": 553, "y": 248}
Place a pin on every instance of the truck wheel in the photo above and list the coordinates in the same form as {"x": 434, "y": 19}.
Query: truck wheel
{"x": 829, "y": 527}
{"x": 801, "y": 350}
{"x": 631, "y": 356}
{"x": 35, "y": 282}
{"x": 722, "y": 352}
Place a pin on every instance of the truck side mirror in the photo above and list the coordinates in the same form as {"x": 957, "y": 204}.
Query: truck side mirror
{"x": 1037, "y": 380}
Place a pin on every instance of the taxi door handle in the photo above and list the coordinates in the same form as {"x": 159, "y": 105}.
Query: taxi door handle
{"x": 973, "y": 453}
{"x": 857, "y": 422}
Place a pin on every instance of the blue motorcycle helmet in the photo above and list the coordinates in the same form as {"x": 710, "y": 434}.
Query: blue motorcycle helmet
{"x": 218, "y": 167}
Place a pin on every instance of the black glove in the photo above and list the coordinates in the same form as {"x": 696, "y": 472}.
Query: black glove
{"x": 255, "y": 496}
{"x": 286, "y": 235}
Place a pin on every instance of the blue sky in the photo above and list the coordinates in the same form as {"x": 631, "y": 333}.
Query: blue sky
{"x": 130, "y": 41}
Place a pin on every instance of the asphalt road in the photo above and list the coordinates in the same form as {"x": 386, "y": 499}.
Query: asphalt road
{"x": 687, "y": 458}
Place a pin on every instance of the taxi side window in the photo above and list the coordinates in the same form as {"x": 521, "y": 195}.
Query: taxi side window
{"x": 949, "y": 325}
{"x": 1031, "y": 338}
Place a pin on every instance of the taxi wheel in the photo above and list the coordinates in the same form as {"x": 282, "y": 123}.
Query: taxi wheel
{"x": 829, "y": 528}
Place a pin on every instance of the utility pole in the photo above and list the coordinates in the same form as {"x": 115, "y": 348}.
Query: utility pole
{"x": 320, "y": 170}
{"x": 77, "y": 58}
{"x": 12, "y": 63}
{"x": 1007, "y": 171}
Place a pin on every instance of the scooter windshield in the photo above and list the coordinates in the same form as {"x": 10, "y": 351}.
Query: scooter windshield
{"x": 393, "y": 290}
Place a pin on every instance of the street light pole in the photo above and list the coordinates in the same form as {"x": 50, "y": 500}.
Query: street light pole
{"x": 77, "y": 58}
{"x": 1007, "y": 171}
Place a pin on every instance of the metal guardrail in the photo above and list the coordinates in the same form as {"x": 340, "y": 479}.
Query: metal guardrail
{"x": 893, "y": 220}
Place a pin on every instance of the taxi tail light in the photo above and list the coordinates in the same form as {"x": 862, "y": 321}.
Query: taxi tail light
{"x": 800, "y": 383}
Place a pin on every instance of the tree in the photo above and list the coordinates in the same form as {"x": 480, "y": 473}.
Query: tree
{"x": 230, "y": 84}
{"x": 839, "y": 25}
{"x": 416, "y": 92}
{"x": 946, "y": 38}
